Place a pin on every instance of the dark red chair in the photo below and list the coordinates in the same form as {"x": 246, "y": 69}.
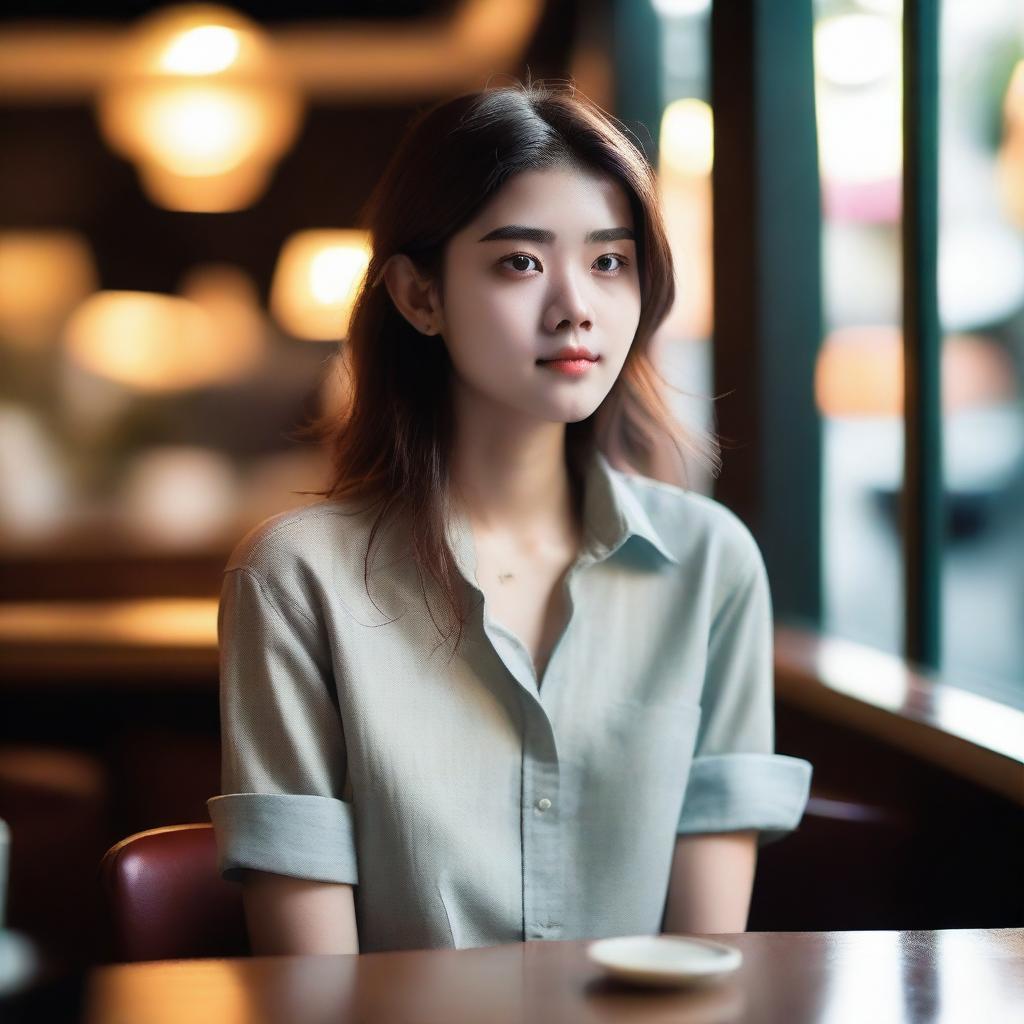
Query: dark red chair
{"x": 164, "y": 898}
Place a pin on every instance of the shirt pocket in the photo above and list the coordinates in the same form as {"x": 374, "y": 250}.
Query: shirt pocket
{"x": 646, "y": 745}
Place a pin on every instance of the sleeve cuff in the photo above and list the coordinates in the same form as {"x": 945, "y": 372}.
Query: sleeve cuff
{"x": 289, "y": 834}
{"x": 730, "y": 792}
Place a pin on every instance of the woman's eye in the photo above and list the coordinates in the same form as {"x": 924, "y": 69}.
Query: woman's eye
{"x": 614, "y": 256}
{"x": 524, "y": 259}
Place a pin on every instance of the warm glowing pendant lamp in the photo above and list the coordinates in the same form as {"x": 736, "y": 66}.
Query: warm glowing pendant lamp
{"x": 44, "y": 274}
{"x": 145, "y": 341}
{"x": 316, "y": 281}
{"x": 198, "y": 101}
{"x": 229, "y": 297}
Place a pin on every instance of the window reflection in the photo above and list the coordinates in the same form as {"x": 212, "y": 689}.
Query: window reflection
{"x": 981, "y": 306}
{"x": 859, "y": 379}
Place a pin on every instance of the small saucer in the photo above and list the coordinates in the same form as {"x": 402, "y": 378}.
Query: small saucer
{"x": 665, "y": 959}
{"x": 19, "y": 961}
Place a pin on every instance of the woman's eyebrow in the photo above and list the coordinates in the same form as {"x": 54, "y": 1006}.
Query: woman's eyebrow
{"x": 518, "y": 233}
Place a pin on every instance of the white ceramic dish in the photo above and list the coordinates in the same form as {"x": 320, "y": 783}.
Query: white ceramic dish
{"x": 665, "y": 959}
{"x": 19, "y": 961}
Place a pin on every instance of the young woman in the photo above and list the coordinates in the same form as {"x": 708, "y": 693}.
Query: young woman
{"x": 594, "y": 753}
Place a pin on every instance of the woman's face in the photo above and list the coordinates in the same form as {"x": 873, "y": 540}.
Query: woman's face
{"x": 513, "y": 298}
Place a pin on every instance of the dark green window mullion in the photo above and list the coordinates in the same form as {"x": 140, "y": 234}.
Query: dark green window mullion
{"x": 922, "y": 505}
{"x": 767, "y": 288}
{"x": 635, "y": 43}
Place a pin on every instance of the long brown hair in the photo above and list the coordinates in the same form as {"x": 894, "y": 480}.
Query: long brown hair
{"x": 391, "y": 441}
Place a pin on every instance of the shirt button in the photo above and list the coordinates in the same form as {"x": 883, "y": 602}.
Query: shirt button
{"x": 543, "y": 804}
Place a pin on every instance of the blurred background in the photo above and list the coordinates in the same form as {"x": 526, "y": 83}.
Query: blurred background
{"x": 178, "y": 253}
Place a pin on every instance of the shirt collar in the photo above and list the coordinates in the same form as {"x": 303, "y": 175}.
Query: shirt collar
{"x": 612, "y": 513}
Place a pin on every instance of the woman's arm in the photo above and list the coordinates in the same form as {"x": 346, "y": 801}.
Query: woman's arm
{"x": 294, "y": 915}
{"x": 711, "y": 882}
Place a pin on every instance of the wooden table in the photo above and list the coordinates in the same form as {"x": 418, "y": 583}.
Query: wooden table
{"x": 972, "y": 976}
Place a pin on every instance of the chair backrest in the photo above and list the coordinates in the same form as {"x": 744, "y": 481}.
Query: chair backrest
{"x": 164, "y": 898}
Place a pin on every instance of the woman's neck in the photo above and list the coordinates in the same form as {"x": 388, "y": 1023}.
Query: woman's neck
{"x": 524, "y": 498}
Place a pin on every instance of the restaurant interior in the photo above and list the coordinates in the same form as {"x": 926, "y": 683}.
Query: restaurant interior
{"x": 180, "y": 246}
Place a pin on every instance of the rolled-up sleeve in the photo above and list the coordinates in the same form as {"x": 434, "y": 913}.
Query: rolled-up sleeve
{"x": 283, "y": 754}
{"x": 736, "y": 780}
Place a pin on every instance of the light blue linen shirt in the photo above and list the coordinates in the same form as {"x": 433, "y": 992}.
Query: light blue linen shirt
{"x": 469, "y": 803}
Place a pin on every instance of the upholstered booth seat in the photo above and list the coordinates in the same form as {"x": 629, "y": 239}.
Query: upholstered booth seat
{"x": 164, "y": 898}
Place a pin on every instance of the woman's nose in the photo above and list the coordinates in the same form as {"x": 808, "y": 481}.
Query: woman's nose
{"x": 568, "y": 306}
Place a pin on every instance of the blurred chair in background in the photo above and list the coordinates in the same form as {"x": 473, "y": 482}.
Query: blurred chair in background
{"x": 165, "y": 899}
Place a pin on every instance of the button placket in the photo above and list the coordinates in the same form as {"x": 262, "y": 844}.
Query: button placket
{"x": 542, "y": 851}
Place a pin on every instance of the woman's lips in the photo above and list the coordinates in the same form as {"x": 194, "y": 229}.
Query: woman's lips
{"x": 569, "y": 367}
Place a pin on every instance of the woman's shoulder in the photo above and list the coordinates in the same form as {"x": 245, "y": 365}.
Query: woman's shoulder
{"x": 312, "y": 535}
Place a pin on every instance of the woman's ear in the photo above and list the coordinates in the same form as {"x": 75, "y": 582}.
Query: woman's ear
{"x": 413, "y": 294}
